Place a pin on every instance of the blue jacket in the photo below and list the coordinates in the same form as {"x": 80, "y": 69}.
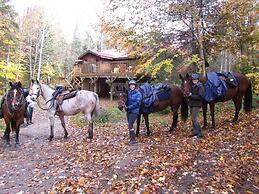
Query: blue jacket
{"x": 134, "y": 101}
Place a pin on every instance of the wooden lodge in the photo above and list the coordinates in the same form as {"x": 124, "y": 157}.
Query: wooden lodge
{"x": 105, "y": 73}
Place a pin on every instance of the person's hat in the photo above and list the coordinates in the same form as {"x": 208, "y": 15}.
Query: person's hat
{"x": 132, "y": 82}
{"x": 195, "y": 76}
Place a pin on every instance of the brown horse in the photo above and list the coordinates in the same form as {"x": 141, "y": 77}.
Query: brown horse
{"x": 176, "y": 100}
{"x": 13, "y": 111}
{"x": 236, "y": 94}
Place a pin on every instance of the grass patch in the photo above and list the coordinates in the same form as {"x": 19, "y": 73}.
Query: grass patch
{"x": 109, "y": 115}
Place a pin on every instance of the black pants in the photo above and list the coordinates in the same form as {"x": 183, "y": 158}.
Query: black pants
{"x": 132, "y": 117}
{"x": 196, "y": 128}
{"x": 30, "y": 111}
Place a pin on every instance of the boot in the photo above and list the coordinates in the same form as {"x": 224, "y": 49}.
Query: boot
{"x": 132, "y": 137}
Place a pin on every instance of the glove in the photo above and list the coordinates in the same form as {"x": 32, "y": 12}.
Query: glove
{"x": 190, "y": 94}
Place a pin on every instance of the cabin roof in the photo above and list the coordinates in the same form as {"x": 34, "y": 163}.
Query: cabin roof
{"x": 111, "y": 54}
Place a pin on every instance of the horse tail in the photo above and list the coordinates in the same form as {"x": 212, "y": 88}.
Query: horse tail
{"x": 248, "y": 98}
{"x": 96, "y": 110}
{"x": 184, "y": 109}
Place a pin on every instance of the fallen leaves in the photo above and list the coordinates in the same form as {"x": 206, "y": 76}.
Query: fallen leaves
{"x": 224, "y": 161}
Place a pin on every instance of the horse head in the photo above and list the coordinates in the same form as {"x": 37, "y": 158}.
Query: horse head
{"x": 35, "y": 89}
{"x": 15, "y": 96}
{"x": 122, "y": 100}
{"x": 186, "y": 84}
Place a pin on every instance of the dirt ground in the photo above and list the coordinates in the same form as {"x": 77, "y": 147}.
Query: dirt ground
{"x": 18, "y": 171}
{"x": 224, "y": 161}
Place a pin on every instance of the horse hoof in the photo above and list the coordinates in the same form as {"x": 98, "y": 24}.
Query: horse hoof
{"x": 137, "y": 135}
{"x": 66, "y": 136}
{"x": 149, "y": 134}
{"x": 50, "y": 138}
{"x": 171, "y": 130}
{"x": 204, "y": 126}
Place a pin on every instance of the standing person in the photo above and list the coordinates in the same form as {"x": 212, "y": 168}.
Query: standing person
{"x": 133, "y": 103}
{"x": 31, "y": 103}
{"x": 195, "y": 102}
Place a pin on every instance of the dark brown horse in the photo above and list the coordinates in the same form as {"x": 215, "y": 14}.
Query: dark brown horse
{"x": 176, "y": 100}
{"x": 236, "y": 94}
{"x": 13, "y": 111}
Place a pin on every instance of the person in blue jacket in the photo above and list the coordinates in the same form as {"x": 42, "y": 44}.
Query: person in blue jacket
{"x": 133, "y": 103}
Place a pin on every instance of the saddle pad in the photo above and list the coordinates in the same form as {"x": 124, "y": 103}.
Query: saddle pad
{"x": 163, "y": 95}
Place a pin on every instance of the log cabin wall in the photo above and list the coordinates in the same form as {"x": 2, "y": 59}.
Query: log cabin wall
{"x": 95, "y": 72}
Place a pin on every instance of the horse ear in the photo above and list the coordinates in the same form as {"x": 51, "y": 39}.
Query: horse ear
{"x": 180, "y": 76}
{"x": 19, "y": 84}
{"x": 11, "y": 84}
{"x": 32, "y": 81}
{"x": 187, "y": 75}
{"x": 37, "y": 81}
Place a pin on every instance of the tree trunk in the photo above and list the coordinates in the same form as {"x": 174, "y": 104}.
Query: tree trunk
{"x": 35, "y": 61}
{"x": 41, "y": 48}
{"x": 200, "y": 39}
{"x": 30, "y": 56}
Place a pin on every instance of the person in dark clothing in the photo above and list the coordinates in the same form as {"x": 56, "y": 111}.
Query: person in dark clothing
{"x": 195, "y": 103}
{"x": 133, "y": 109}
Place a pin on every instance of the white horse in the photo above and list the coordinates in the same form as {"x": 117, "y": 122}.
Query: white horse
{"x": 85, "y": 101}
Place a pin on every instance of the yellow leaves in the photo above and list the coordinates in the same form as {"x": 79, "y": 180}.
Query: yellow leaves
{"x": 230, "y": 186}
{"x": 154, "y": 65}
{"x": 221, "y": 158}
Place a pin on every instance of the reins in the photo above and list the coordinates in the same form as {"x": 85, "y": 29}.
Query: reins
{"x": 50, "y": 106}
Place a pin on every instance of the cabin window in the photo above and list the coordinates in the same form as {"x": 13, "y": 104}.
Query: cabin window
{"x": 93, "y": 68}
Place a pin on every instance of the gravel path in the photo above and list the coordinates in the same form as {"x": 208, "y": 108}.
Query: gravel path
{"x": 19, "y": 172}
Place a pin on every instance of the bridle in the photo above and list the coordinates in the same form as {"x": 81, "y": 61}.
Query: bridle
{"x": 122, "y": 99}
{"x": 37, "y": 94}
{"x": 10, "y": 99}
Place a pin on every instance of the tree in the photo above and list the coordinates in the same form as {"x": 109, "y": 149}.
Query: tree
{"x": 189, "y": 27}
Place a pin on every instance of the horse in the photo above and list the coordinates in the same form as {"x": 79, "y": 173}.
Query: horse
{"x": 13, "y": 111}
{"x": 236, "y": 94}
{"x": 175, "y": 101}
{"x": 84, "y": 101}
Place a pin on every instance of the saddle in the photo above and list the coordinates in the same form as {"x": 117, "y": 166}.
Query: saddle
{"x": 64, "y": 95}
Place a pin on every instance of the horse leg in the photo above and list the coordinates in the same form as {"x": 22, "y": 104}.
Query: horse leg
{"x": 237, "y": 101}
{"x": 17, "y": 144}
{"x": 138, "y": 124}
{"x": 7, "y": 134}
{"x": 52, "y": 122}
{"x": 212, "y": 111}
{"x": 62, "y": 119}
{"x": 147, "y": 123}
{"x": 88, "y": 118}
{"x": 204, "y": 112}
{"x": 175, "y": 119}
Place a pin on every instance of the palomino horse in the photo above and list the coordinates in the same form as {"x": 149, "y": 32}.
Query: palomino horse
{"x": 176, "y": 100}
{"x": 236, "y": 94}
{"x": 13, "y": 111}
{"x": 85, "y": 101}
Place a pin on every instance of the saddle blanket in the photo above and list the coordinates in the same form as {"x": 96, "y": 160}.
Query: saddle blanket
{"x": 216, "y": 87}
{"x": 153, "y": 94}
